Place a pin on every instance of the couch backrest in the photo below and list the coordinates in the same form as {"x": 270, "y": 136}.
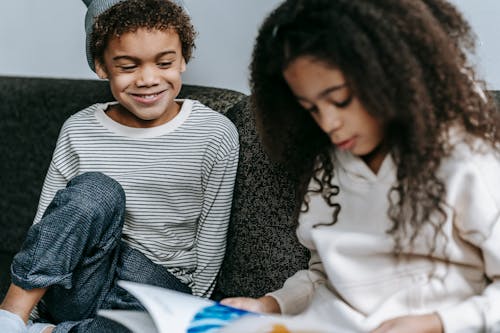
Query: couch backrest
{"x": 262, "y": 249}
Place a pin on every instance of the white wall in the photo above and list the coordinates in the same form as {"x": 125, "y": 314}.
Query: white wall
{"x": 37, "y": 40}
{"x": 484, "y": 15}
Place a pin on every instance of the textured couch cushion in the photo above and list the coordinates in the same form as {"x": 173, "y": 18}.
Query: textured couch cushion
{"x": 262, "y": 248}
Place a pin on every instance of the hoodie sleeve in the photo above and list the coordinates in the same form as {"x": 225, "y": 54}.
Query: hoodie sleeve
{"x": 477, "y": 222}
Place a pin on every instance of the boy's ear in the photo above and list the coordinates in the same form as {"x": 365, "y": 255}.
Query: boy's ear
{"x": 183, "y": 64}
{"x": 100, "y": 70}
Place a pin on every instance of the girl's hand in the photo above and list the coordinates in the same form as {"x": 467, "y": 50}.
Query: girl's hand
{"x": 430, "y": 323}
{"x": 265, "y": 304}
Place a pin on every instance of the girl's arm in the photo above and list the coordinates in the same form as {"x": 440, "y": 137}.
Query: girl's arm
{"x": 292, "y": 298}
{"x": 473, "y": 183}
{"x": 480, "y": 312}
{"x": 475, "y": 197}
{"x": 264, "y": 304}
{"x": 298, "y": 290}
{"x": 430, "y": 323}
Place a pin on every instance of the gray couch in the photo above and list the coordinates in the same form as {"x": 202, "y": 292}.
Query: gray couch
{"x": 262, "y": 250}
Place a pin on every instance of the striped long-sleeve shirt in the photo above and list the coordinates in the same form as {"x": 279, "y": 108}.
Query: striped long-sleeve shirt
{"x": 178, "y": 179}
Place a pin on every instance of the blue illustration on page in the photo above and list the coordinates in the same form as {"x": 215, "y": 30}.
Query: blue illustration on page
{"x": 211, "y": 318}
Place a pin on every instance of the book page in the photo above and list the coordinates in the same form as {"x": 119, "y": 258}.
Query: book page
{"x": 136, "y": 321}
{"x": 170, "y": 310}
{"x": 275, "y": 324}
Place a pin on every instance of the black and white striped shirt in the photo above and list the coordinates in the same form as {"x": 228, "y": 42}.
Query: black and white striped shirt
{"x": 178, "y": 179}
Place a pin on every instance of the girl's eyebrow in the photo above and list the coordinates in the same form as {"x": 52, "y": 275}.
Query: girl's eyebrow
{"x": 324, "y": 92}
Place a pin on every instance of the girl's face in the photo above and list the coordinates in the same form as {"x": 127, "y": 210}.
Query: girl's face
{"x": 323, "y": 92}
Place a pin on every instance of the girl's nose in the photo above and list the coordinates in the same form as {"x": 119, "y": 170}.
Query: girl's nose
{"x": 329, "y": 119}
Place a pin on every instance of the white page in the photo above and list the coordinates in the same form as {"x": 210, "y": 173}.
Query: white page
{"x": 275, "y": 323}
{"x": 171, "y": 311}
{"x": 136, "y": 321}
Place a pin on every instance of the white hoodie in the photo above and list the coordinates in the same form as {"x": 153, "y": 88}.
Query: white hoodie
{"x": 354, "y": 282}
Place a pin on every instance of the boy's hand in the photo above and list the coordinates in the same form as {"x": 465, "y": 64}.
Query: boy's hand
{"x": 430, "y": 323}
{"x": 265, "y": 304}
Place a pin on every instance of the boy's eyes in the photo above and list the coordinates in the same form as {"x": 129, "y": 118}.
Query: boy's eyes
{"x": 132, "y": 67}
{"x": 165, "y": 64}
{"x": 127, "y": 68}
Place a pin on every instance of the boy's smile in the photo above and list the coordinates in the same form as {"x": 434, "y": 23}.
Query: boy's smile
{"x": 144, "y": 71}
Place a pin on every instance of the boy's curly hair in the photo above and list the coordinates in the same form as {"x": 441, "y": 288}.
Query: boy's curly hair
{"x": 406, "y": 61}
{"x": 131, "y": 15}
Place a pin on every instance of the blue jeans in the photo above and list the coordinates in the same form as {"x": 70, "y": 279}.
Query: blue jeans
{"x": 77, "y": 253}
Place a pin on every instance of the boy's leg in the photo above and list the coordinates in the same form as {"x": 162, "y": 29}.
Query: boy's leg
{"x": 132, "y": 266}
{"x": 73, "y": 249}
{"x": 22, "y": 309}
{"x": 90, "y": 210}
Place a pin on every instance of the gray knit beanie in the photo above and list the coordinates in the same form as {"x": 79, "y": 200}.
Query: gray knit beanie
{"x": 96, "y": 8}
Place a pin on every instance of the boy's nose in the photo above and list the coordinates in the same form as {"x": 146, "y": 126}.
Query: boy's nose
{"x": 147, "y": 77}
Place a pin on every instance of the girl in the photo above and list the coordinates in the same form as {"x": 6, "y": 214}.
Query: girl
{"x": 373, "y": 105}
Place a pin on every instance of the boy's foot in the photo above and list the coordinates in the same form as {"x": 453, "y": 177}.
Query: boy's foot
{"x": 12, "y": 323}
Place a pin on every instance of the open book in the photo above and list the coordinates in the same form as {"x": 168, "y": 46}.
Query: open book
{"x": 174, "y": 312}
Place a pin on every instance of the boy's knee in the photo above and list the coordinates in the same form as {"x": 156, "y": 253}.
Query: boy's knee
{"x": 92, "y": 178}
{"x": 100, "y": 192}
{"x": 91, "y": 201}
{"x": 98, "y": 184}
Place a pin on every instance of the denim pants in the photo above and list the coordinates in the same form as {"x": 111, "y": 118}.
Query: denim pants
{"x": 77, "y": 253}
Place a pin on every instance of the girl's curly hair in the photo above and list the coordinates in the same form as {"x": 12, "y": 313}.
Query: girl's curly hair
{"x": 131, "y": 15}
{"x": 406, "y": 61}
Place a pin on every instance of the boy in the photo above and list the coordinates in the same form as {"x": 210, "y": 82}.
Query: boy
{"x": 174, "y": 160}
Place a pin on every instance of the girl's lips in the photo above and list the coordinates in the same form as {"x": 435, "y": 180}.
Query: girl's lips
{"x": 346, "y": 144}
{"x": 148, "y": 98}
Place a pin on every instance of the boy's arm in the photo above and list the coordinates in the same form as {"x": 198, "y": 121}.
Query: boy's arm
{"x": 63, "y": 166}
{"x": 54, "y": 181}
{"x": 214, "y": 220}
